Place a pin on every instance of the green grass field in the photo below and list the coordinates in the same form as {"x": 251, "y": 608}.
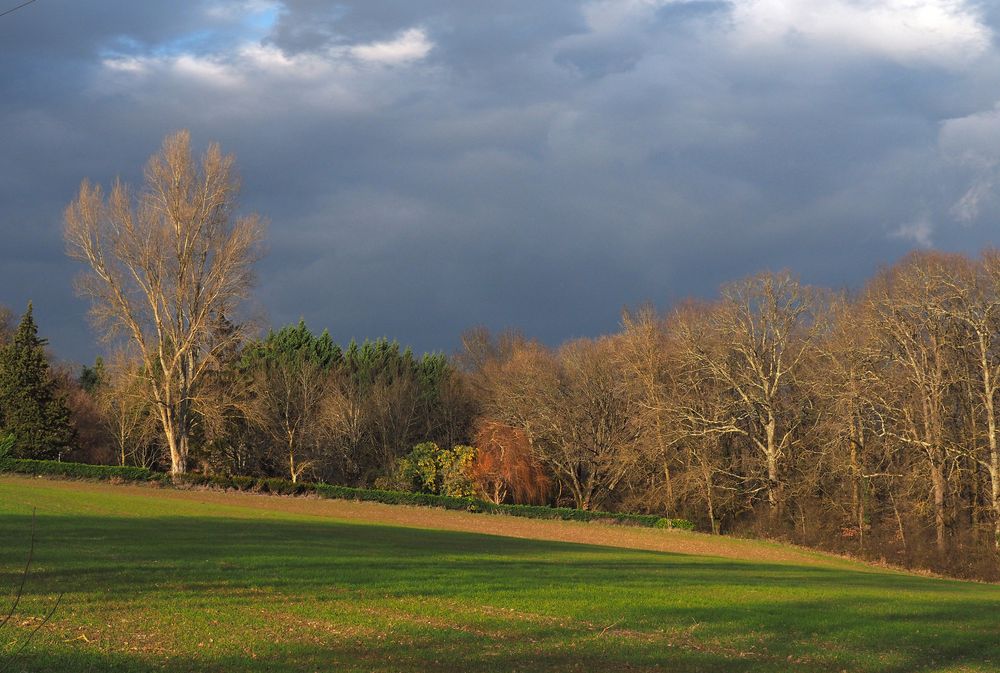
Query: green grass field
{"x": 154, "y": 582}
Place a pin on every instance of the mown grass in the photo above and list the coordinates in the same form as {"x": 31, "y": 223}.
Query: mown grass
{"x": 153, "y": 583}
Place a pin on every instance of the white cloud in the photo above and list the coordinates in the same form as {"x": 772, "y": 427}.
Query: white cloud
{"x": 352, "y": 78}
{"x": 973, "y": 142}
{"x": 919, "y": 231}
{"x": 974, "y": 138}
{"x": 126, "y": 64}
{"x": 944, "y": 32}
{"x": 410, "y": 45}
{"x": 980, "y": 193}
{"x": 239, "y": 9}
{"x": 206, "y": 71}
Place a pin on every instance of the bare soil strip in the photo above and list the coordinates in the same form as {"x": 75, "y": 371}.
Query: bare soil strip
{"x": 673, "y": 541}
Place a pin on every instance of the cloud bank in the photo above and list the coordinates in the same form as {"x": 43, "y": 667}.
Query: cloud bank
{"x": 431, "y": 166}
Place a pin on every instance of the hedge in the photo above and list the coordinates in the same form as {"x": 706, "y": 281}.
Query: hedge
{"x": 286, "y": 487}
{"x": 79, "y": 470}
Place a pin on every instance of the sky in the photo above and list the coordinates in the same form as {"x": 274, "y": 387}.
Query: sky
{"x": 428, "y": 166}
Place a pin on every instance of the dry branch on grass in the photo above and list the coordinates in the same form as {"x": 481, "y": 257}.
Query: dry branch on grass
{"x": 7, "y": 660}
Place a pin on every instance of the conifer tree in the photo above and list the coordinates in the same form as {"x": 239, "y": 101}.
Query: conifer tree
{"x": 92, "y": 378}
{"x": 30, "y": 407}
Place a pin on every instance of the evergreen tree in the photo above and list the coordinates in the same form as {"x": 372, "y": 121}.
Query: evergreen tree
{"x": 294, "y": 343}
{"x": 30, "y": 407}
{"x": 91, "y": 378}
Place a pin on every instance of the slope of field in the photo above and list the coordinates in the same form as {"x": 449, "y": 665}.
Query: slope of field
{"x": 198, "y": 581}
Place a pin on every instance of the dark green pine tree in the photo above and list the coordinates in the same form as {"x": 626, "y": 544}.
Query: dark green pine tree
{"x": 30, "y": 406}
{"x": 92, "y": 378}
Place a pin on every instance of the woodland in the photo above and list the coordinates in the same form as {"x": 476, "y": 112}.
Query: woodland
{"x": 861, "y": 422}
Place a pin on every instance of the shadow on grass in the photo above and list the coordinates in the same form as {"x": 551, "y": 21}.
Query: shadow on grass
{"x": 319, "y": 595}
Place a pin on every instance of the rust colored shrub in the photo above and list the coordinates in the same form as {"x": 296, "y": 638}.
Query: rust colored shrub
{"x": 504, "y": 469}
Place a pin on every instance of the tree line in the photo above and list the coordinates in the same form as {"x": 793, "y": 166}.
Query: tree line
{"x": 855, "y": 421}
{"x": 863, "y": 422}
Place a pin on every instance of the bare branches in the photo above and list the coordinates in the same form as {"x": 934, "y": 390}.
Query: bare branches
{"x": 751, "y": 345}
{"x": 165, "y": 263}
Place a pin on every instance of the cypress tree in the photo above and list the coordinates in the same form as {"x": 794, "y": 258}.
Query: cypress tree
{"x": 30, "y": 406}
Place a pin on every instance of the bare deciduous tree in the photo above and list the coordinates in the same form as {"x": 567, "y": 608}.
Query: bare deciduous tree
{"x": 393, "y": 412}
{"x": 288, "y": 400}
{"x": 164, "y": 263}
{"x": 644, "y": 361}
{"x": 127, "y": 413}
{"x": 970, "y": 299}
{"x": 578, "y": 418}
{"x": 906, "y": 304}
{"x": 753, "y": 342}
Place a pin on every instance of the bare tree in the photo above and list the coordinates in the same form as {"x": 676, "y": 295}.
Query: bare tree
{"x": 917, "y": 380}
{"x": 393, "y": 412}
{"x": 126, "y": 412}
{"x": 164, "y": 264}
{"x": 288, "y": 400}
{"x": 347, "y": 415}
{"x": 643, "y": 357}
{"x": 579, "y": 420}
{"x": 970, "y": 299}
{"x": 753, "y": 342}
{"x": 839, "y": 380}
{"x": 988, "y": 342}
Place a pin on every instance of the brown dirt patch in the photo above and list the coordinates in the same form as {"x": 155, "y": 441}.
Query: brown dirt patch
{"x": 673, "y": 541}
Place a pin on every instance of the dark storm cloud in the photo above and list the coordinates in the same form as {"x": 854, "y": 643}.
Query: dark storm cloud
{"x": 430, "y": 166}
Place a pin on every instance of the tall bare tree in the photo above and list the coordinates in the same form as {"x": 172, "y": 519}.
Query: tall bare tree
{"x": 839, "y": 381}
{"x": 754, "y": 342}
{"x": 970, "y": 298}
{"x": 580, "y": 422}
{"x": 906, "y": 305}
{"x": 126, "y": 412}
{"x": 701, "y": 421}
{"x": 989, "y": 361}
{"x": 643, "y": 358}
{"x": 288, "y": 400}
{"x": 165, "y": 262}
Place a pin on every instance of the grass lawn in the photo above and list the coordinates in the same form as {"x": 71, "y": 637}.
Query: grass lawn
{"x": 159, "y": 580}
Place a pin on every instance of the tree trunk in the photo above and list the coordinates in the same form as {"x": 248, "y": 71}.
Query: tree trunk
{"x": 177, "y": 442}
{"x": 940, "y": 515}
{"x": 771, "y": 454}
{"x": 994, "y": 469}
{"x": 670, "y": 488}
{"x": 178, "y": 452}
{"x": 899, "y": 521}
{"x": 994, "y": 466}
{"x": 711, "y": 504}
{"x": 857, "y": 504}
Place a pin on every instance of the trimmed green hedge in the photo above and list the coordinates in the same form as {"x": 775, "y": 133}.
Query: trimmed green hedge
{"x": 286, "y": 487}
{"x": 475, "y": 505}
{"x": 78, "y": 470}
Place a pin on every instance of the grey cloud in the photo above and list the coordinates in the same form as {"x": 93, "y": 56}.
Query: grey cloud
{"x": 542, "y": 165}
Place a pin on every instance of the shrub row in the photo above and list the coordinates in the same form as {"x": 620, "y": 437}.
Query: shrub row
{"x": 78, "y": 470}
{"x": 475, "y": 505}
{"x": 286, "y": 487}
